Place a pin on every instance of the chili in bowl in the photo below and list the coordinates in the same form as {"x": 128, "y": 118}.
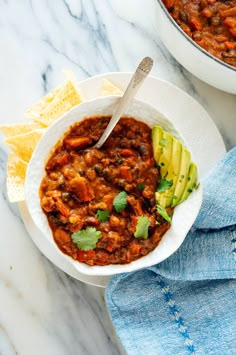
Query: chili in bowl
{"x": 97, "y": 206}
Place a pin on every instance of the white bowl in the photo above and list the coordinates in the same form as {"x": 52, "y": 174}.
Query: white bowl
{"x": 193, "y": 57}
{"x": 184, "y": 214}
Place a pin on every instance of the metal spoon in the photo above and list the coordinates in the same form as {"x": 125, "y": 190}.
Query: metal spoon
{"x": 140, "y": 74}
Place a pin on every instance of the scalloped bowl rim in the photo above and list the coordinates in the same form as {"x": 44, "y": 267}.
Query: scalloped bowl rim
{"x": 184, "y": 214}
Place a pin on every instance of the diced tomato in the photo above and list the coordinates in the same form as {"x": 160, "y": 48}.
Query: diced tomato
{"x": 85, "y": 256}
{"x": 126, "y": 153}
{"x": 82, "y": 188}
{"x": 195, "y": 23}
{"x": 76, "y": 227}
{"x": 62, "y": 208}
{"x": 135, "y": 249}
{"x": 61, "y": 236}
{"x": 207, "y": 12}
{"x": 114, "y": 221}
{"x": 221, "y": 38}
{"x": 230, "y": 22}
{"x": 169, "y": 3}
{"x": 228, "y": 12}
{"x": 126, "y": 173}
{"x": 63, "y": 159}
{"x": 108, "y": 200}
{"x": 230, "y": 45}
{"x": 136, "y": 205}
{"x": 211, "y": 2}
{"x": 233, "y": 31}
{"x": 77, "y": 142}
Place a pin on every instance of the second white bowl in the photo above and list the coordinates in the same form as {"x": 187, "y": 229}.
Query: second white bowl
{"x": 193, "y": 57}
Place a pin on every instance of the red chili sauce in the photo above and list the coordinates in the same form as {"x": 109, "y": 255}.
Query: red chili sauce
{"x": 210, "y": 23}
{"x": 81, "y": 180}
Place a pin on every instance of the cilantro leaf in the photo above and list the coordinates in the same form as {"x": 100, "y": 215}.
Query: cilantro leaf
{"x": 140, "y": 187}
{"x": 86, "y": 239}
{"x": 164, "y": 185}
{"x": 142, "y": 227}
{"x": 120, "y": 201}
{"x": 102, "y": 215}
{"x": 162, "y": 211}
{"x": 119, "y": 161}
{"x": 163, "y": 142}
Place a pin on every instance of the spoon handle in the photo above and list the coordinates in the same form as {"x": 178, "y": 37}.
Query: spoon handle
{"x": 140, "y": 74}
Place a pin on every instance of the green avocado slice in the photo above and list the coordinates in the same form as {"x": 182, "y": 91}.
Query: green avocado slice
{"x": 162, "y": 148}
{"x": 166, "y": 153}
{"x": 165, "y": 198}
{"x": 191, "y": 182}
{"x": 157, "y": 133}
{"x": 182, "y": 177}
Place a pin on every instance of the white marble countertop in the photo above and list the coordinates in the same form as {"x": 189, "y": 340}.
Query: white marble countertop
{"x": 42, "y": 310}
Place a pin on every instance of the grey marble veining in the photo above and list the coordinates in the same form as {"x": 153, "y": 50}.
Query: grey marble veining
{"x": 43, "y": 310}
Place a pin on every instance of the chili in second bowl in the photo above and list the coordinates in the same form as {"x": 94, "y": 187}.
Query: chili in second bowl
{"x": 210, "y": 23}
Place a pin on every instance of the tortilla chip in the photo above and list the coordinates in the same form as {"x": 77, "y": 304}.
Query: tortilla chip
{"x": 108, "y": 88}
{"x": 70, "y": 75}
{"x": 10, "y": 130}
{"x": 23, "y": 145}
{"x": 22, "y": 138}
{"x": 34, "y": 111}
{"x": 16, "y": 171}
{"x": 65, "y": 99}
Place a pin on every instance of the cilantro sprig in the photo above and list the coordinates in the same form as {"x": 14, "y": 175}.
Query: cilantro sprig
{"x": 142, "y": 227}
{"x": 140, "y": 187}
{"x": 120, "y": 201}
{"x": 102, "y": 215}
{"x": 164, "y": 185}
{"x": 162, "y": 211}
{"x": 86, "y": 239}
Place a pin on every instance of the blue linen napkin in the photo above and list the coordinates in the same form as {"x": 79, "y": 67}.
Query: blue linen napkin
{"x": 187, "y": 303}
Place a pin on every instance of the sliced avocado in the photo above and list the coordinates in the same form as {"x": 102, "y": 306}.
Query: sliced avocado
{"x": 162, "y": 148}
{"x": 191, "y": 182}
{"x": 165, "y": 198}
{"x": 157, "y": 133}
{"x": 182, "y": 177}
{"x": 175, "y": 165}
{"x": 166, "y": 152}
